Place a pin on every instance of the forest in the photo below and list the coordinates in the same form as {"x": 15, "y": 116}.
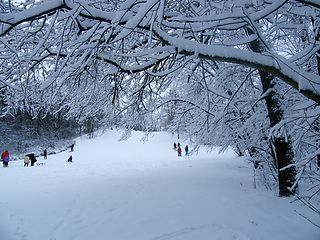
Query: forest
{"x": 243, "y": 74}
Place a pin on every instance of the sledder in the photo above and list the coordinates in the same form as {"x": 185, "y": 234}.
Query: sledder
{"x": 69, "y": 159}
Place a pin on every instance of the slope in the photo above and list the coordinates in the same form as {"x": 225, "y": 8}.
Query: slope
{"x": 141, "y": 190}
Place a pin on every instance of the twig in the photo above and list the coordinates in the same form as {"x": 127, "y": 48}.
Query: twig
{"x": 307, "y": 219}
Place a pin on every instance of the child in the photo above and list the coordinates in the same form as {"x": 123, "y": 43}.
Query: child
{"x": 26, "y": 161}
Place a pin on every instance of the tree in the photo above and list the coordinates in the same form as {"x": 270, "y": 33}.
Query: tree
{"x": 139, "y": 48}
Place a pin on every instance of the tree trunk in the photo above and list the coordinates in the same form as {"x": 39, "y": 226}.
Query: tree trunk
{"x": 282, "y": 147}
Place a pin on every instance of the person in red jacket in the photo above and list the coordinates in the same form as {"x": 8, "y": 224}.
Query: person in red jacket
{"x": 5, "y": 158}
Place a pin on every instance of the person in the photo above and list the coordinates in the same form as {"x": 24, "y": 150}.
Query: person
{"x": 33, "y": 158}
{"x": 179, "y": 144}
{"x": 45, "y": 154}
{"x": 174, "y": 146}
{"x": 69, "y": 159}
{"x": 186, "y": 149}
{"x": 5, "y": 158}
{"x": 26, "y": 161}
{"x": 72, "y": 147}
{"x": 179, "y": 151}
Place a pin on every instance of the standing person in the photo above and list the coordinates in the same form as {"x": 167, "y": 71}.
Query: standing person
{"x": 5, "y": 158}
{"x": 179, "y": 145}
{"x": 26, "y": 161}
{"x": 179, "y": 151}
{"x": 186, "y": 149}
{"x": 72, "y": 147}
{"x": 45, "y": 154}
{"x": 174, "y": 146}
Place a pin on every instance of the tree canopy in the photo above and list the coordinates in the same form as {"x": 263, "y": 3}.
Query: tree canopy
{"x": 240, "y": 73}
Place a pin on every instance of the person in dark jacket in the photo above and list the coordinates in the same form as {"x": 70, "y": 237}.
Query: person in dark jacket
{"x": 33, "y": 158}
{"x": 174, "y": 146}
{"x": 186, "y": 149}
{"x": 45, "y": 154}
{"x": 69, "y": 159}
{"x": 179, "y": 151}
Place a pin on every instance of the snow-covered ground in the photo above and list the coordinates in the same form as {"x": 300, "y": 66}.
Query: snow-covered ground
{"x": 136, "y": 190}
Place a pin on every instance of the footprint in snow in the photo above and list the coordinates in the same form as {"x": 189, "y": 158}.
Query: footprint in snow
{"x": 215, "y": 232}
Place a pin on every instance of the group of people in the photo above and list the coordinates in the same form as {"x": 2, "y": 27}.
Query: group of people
{"x": 29, "y": 158}
{"x": 177, "y": 147}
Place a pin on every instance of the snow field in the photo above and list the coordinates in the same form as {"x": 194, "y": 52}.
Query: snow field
{"x": 135, "y": 190}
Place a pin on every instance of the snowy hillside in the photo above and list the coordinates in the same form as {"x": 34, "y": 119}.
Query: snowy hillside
{"x": 137, "y": 190}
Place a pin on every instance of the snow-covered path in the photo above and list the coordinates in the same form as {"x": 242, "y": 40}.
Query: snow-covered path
{"x": 134, "y": 190}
